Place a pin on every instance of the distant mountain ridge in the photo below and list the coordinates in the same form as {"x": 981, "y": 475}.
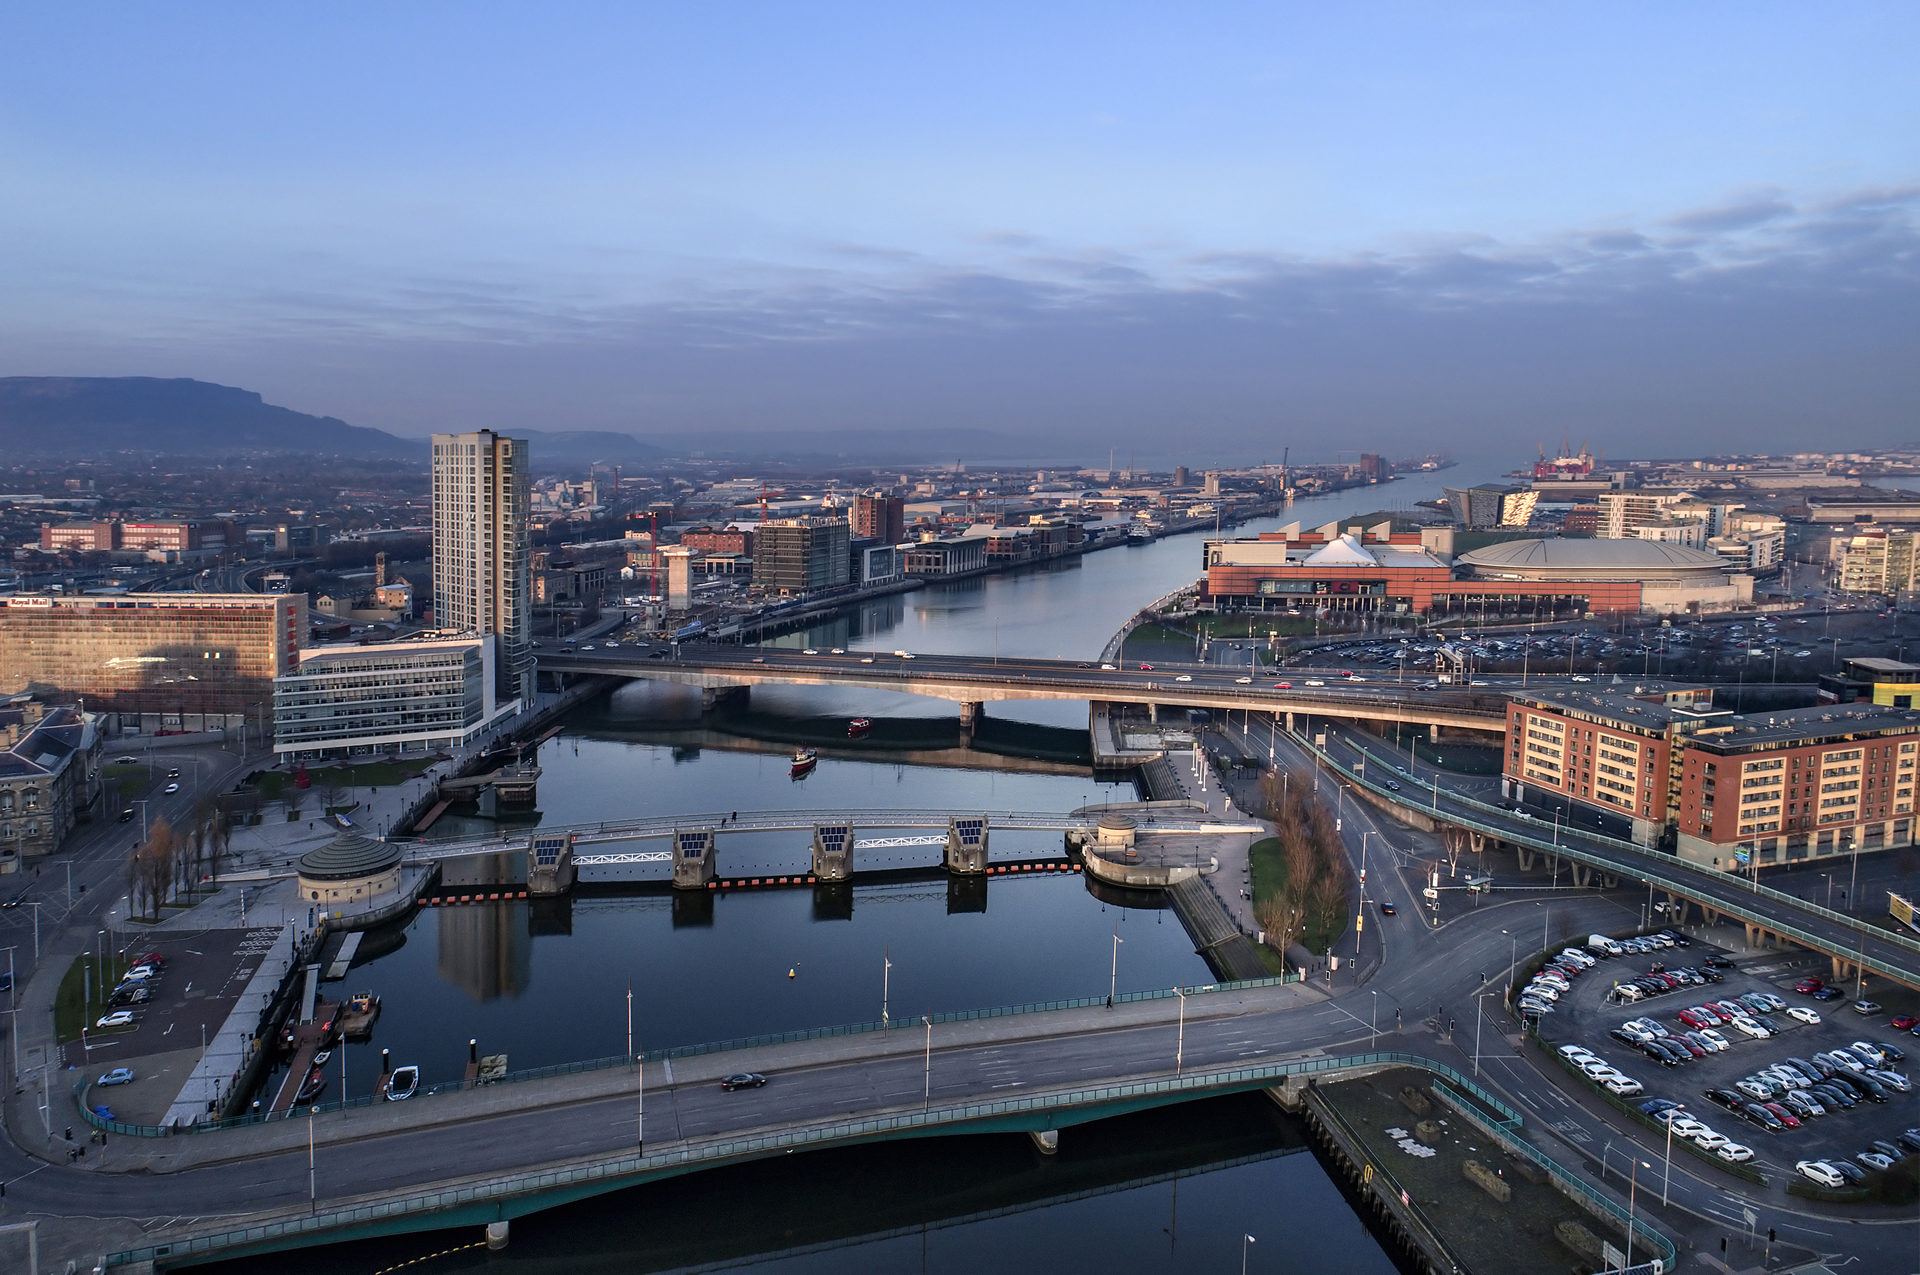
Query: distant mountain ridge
{"x": 80, "y": 416}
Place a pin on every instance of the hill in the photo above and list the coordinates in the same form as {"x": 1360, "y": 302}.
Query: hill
{"x": 76, "y": 417}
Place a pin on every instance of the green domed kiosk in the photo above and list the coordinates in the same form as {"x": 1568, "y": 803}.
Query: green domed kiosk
{"x": 349, "y": 869}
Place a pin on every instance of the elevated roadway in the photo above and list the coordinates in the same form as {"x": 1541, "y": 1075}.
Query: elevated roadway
{"x": 1850, "y": 942}
{"x": 980, "y": 679}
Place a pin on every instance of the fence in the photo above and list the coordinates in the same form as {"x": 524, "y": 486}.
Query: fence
{"x": 502, "y": 1196}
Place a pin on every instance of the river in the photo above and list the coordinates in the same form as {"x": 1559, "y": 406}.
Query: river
{"x": 548, "y": 982}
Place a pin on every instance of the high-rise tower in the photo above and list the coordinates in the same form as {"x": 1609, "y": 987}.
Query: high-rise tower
{"x": 481, "y": 491}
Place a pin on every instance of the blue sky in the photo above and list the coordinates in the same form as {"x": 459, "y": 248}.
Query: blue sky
{"x": 1387, "y": 226}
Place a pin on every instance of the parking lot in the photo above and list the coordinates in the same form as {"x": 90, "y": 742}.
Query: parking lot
{"x": 194, "y": 992}
{"x": 1590, "y": 1012}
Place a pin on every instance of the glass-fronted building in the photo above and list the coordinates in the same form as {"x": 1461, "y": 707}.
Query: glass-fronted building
{"x": 398, "y": 698}
{"x": 161, "y": 661}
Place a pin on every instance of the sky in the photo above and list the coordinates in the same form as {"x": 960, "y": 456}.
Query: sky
{"x": 1194, "y": 232}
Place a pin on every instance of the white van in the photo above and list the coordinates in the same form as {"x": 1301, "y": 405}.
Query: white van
{"x": 1602, "y": 945}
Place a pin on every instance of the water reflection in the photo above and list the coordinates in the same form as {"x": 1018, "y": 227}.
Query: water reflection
{"x": 1170, "y": 1190}
{"x": 484, "y": 952}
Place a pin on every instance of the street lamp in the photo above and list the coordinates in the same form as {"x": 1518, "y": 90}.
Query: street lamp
{"x": 1180, "y": 1047}
{"x": 1113, "y": 975}
{"x": 1632, "y": 1188}
{"x": 1373, "y": 1025}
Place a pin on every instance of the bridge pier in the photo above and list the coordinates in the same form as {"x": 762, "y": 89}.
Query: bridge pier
{"x": 967, "y": 845}
{"x": 550, "y": 863}
{"x": 971, "y": 711}
{"x": 1048, "y": 1140}
{"x": 497, "y": 1235}
{"x": 1526, "y": 858}
{"x": 832, "y": 851}
{"x": 1582, "y": 874}
{"x": 712, "y": 697}
{"x": 694, "y": 858}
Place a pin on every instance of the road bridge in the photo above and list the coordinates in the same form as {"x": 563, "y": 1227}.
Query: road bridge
{"x": 1849, "y": 942}
{"x": 973, "y": 681}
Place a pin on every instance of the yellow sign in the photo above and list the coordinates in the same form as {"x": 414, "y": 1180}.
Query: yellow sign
{"x": 1366, "y": 1174}
{"x": 1902, "y": 910}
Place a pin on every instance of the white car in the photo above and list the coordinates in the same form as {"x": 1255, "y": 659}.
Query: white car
{"x": 1184, "y": 677}
{"x": 1871, "y": 1050}
{"x": 1624, "y": 1086}
{"x": 1734, "y": 1153}
{"x": 1574, "y": 1053}
{"x": 905, "y": 655}
{"x": 1805, "y": 1015}
{"x": 1110, "y": 668}
{"x": 1243, "y": 681}
{"x": 838, "y": 650}
{"x": 1708, "y": 1140}
{"x": 170, "y": 789}
{"x": 1892, "y": 1080}
{"x": 1314, "y": 681}
{"x": 118, "y": 1018}
{"x": 1751, "y": 1028}
{"x": 1818, "y": 1171}
{"x": 809, "y": 651}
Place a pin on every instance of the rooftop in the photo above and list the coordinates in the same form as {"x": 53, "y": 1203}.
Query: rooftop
{"x": 347, "y": 857}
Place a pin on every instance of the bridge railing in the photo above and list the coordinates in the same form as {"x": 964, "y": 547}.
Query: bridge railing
{"x": 687, "y": 1051}
{"x": 1728, "y": 900}
{"x": 615, "y": 1172}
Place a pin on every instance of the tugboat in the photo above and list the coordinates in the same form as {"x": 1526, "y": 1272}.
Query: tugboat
{"x": 356, "y": 1020}
{"x": 858, "y": 727}
{"x": 804, "y": 760}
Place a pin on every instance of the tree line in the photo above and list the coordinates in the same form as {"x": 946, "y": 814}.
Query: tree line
{"x": 171, "y": 860}
{"x": 1312, "y": 899}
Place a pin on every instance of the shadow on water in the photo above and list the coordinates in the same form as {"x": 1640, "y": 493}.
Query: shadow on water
{"x": 1172, "y": 1189}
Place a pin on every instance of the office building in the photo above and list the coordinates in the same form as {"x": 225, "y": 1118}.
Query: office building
{"x": 1722, "y": 789}
{"x": 1621, "y": 512}
{"x": 160, "y": 661}
{"x": 801, "y": 555}
{"x": 881, "y": 518}
{"x": 1485, "y": 508}
{"x": 396, "y": 698}
{"x": 481, "y": 563}
{"x": 84, "y": 536}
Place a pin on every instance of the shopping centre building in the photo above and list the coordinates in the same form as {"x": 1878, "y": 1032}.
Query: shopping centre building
{"x": 1414, "y": 572}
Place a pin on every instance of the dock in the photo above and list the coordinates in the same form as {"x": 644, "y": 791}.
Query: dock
{"x": 309, "y": 1038}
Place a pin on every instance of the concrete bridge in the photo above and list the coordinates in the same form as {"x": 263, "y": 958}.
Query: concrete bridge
{"x": 1852, "y": 944}
{"x": 973, "y": 681}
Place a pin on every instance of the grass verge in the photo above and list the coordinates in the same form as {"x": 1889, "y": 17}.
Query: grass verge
{"x": 80, "y": 998}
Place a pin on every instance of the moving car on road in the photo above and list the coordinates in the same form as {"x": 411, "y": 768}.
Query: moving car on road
{"x": 742, "y": 1080}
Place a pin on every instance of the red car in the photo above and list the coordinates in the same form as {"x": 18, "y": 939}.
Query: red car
{"x": 1808, "y": 986}
{"x": 1694, "y": 1018}
{"x": 1781, "y": 1114}
{"x": 1146, "y": 668}
{"x": 1283, "y": 686}
{"x": 1904, "y": 1022}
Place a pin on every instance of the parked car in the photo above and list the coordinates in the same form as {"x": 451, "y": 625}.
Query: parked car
{"x": 1866, "y": 1009}
{"x": 118, "y": 1018}
{"x": 118, "y": 1076}
{"x": 1819, "y": 1172}
{"x": 1734, "y": 1153}
{"x": 1805, "y": 1015}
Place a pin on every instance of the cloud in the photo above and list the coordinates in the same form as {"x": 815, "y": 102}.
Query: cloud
{"x": 1755, "y": 324}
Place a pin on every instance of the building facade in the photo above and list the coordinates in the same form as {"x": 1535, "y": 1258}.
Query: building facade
{"x": 801, "y": 555}
{"x": 1724, "y": 790}
{"x": 161, "y": 661}
{"x": 83, "y": 536}
{"x": 878, "y": 518}
{"x": 397, "y": 698}
{"x": 49, "y": 776}
{"x": 482, "y": 567}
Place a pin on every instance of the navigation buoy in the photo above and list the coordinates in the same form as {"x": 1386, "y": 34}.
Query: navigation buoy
{"x": 789, "y": 973}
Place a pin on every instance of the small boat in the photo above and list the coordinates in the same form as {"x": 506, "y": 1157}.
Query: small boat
{"x": 315, "y": 1082}
{"x": 804, "y": 760}
{"x": 858, "y": 727}
{"x": 322, "y": 1058}
{"x": 403, "y": 1082}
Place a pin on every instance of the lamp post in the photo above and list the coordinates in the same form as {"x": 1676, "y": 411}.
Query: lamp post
{"x": 1633, "y": 1187}
{"x": 886, "y": 985}
{"x": 1373, "y": 1024}
{"x": 926, "y": 1096}
{"x": 1245, "y": 1240}
{"x": 1180, "y": 1046}
{"x": 1479, "y": 1017}
{"x": 1113, "y": 974}
{"x": 1667, "y": 1180}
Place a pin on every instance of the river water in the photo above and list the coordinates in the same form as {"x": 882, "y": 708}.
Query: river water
{"x": 548, "y": 982}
